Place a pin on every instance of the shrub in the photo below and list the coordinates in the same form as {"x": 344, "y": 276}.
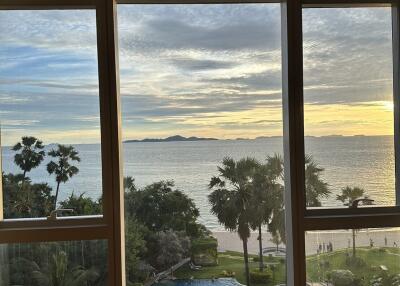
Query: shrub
{"x": 341, "y": 277}
{"x": 204, "y": 251}
{"x": 258, "y": 277}
{"x": 256, "y": 259}
{"x": 324, "y": 264}
{"x": 355, "y": 261}
{"x": 282, "y": 260}
{"x": 203, "y": 244}
{"x": 228, "y": 273}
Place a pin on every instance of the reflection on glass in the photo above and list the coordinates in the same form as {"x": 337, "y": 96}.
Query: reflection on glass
{"x": 49, "y": 113}
{"x": 202, "y": 127}
{"x": 353, "y": 257}
{"x": 79, "y": 263}
{"x": 348, "y": 103}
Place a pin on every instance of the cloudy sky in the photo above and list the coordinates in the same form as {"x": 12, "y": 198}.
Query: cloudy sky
{"x": 203, "y": 70}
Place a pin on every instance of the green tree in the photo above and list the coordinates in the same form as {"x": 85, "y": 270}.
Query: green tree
{"x": 31, "y": 154}
{"x": 349, "y": 197}
{"x": 276, "y": 239}
{"x": 231, "y": 199}
{"x": 22, "y": 199}
{"x": 62, "y": 168}
{"x": 172, "y": 248}
{"x": 129, "y": 184}
{"x": 58, "y": 273}
{"x": 135, "y": 248}
{"x": 316, "y": 188}
{"x": 82, "y": 205}
{"x": 266, "y": 196}
{"x": 160, "y": 207}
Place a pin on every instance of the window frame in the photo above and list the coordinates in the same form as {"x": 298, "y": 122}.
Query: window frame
{"x": 299, "y": 219}
{"x": 110, "y": 226}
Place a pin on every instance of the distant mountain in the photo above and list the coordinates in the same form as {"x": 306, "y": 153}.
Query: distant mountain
{"x": 171, "y": 139}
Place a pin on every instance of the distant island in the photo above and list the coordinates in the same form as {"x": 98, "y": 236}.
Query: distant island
{"x": 171, "y": 139}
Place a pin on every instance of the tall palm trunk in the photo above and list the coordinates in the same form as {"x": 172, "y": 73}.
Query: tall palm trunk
{"x": 354, "y": 242}
{"x": 246, "y": 262}
{"x": 56, "y": 198}
{"x": 23, "y": 181}
{"x": 261, "y": 248}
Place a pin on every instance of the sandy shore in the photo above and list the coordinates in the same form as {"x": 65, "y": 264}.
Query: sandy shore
{"x": 339, "y": 240}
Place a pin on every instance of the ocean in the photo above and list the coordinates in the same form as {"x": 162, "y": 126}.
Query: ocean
{"x": 363, "y": 161}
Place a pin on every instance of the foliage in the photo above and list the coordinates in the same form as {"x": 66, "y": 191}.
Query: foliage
{"x": 355, "y": 262}
{"x": 82, "y": 205}
{"x": 261, "y": 277}
{"x": 159, "y": 207}
{"x": 172, "y": 248}
{"x": 276, "y": 239}
{"x": 204, "y": 251}
{"x": 341, "y": 278}
{"x": 202, "y": 244}
{"x": 231, "y": 199}
{"x": 228, "y": 273}
{"x": 267, "y": 199}
{"x": 348, "y": 196}
{"x": 22, "y": 199}
{"x": 59, "y": 273}
{"x": 62, "y": 167}
{"x": 231, "y": 262}
{"x": 135, "y": 247}
{"x": 316, "y": 188}
{"x": 31, "y": 154}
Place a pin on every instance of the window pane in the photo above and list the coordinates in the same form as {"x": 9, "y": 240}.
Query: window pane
{"x": 353, "y": 257}
{"x": 49, "y": 95}
{"x": 201, "y": 90}
{"x": 54, "y": 263}
{"x": 348, "y": 105}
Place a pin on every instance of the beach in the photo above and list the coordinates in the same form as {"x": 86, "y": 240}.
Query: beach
{"x": 230, "y": 241}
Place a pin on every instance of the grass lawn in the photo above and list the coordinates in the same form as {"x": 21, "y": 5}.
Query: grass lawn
{"x": 232, "y": 261}
{"x": 319, "y": 265}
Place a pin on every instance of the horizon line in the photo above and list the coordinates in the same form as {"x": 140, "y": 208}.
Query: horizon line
{"x": 219, "y": 139}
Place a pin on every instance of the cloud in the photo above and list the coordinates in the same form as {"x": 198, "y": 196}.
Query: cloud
{"x": 205, "y": 68}
{"x": 193, "y": 65}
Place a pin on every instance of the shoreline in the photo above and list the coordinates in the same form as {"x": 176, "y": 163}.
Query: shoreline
{"x": 230, "y": 241}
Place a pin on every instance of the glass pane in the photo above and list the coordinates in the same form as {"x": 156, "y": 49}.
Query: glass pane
{"x": 49, "y": 112}
{"x": 348, "y": 105}
{"x": 54, "y": 263}
{"x": 202, "y": 129}
{"x": 353, "y": 257}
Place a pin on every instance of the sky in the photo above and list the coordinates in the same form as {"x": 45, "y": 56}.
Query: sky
{"x": 199, "y": 70}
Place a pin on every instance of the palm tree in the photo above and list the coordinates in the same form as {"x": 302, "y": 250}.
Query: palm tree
{"x": 350, "y": 197}
{"x": 315, "y": 186}
{"x": 63, "y": 169}
{"x": 266, "y": 197}
{"x": 231, "y": 199}
{"x": 31, "y": 154}
{"x": 276, "y": 239}
{"x": 59, "y": 274}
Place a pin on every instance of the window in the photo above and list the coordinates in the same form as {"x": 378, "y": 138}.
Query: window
{"x": 215, "y": 70}
{"x": 348, "y": 104}
{"x": 223, "y": 113}
{"x": 50, "y": 110}
{"x": 60, "y": 182}
{"x": 54, "y": 263}
{"x": 343, "y": 255}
